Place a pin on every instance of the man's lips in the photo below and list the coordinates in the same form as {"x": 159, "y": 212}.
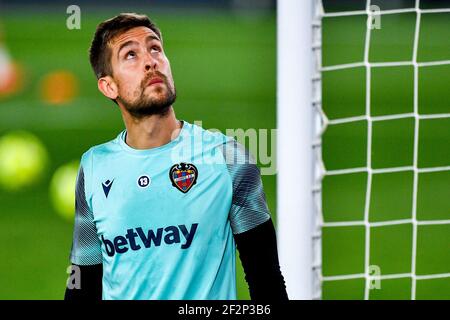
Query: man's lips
{"x": 155, "y": 80}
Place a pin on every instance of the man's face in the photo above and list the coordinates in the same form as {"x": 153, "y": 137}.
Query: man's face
{"x": 142, "y": 72}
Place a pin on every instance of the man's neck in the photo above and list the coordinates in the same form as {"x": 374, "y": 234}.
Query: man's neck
{"x": 152, "y": 131}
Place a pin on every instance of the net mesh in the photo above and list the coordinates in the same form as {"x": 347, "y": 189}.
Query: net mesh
{"x": 370, "y": 120}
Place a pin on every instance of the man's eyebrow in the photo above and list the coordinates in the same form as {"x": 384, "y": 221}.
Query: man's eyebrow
{"x": 152, "y": 37}
{"x": 126, "y": 44}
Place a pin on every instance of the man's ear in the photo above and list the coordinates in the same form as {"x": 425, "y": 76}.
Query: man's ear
{"x": 108, "y": 87}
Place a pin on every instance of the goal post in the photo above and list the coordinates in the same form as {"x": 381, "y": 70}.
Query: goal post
{"x": 294, "y": 145}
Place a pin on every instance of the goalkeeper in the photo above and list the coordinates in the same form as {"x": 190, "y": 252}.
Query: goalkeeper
{"x": 160, "y": 209}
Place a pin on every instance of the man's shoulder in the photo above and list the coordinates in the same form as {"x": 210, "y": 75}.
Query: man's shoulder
{"x": 214, "y": 138}
{"x": 233, "y": 151}
{"x": 101, "y": 150}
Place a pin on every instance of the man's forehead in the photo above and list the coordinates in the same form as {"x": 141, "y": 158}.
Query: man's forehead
{"x": 137, "y": 33}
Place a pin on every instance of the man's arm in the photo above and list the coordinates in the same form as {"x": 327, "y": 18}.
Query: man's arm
{"x": 259, "y": 256}
{"x": 252, "y": 226}
{"x": 85, "y": 256}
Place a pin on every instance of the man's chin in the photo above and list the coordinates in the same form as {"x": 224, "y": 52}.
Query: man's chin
{"x": 152, "y": 106}
{"x": 155, "y": 102}
{"x": 149, "y": 110}
{"x": 157, "y": 88}
{"x": 156, "y": 93}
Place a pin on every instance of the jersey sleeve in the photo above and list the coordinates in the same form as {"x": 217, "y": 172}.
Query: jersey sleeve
{"x": 86, "y": 247}
{"x": 249, "y": 207}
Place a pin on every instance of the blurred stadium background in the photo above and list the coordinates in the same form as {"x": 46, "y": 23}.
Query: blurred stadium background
{"x": 230, "y": 45}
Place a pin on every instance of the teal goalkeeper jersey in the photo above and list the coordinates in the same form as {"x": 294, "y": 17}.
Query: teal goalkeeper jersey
{"x": 161, "y": 221}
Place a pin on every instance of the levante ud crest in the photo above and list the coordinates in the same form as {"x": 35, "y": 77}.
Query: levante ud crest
{"x": 183, "y": 176}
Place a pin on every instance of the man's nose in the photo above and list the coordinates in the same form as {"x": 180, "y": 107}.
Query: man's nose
{"x": 150, "y": 62}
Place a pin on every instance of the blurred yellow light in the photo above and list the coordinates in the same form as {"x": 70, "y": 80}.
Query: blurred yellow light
{"x": 62, "y": 190}
{"x": 23, "y": 160}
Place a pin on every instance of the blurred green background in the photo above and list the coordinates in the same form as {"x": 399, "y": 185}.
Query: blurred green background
{"x": 392, "y": 145}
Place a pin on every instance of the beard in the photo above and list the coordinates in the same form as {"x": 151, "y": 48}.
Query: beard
{"x": 144, "y": 105}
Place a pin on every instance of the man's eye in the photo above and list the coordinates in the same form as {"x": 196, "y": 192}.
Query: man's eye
{"x": 130, "y": 55}
{"x": 156, "y": 48}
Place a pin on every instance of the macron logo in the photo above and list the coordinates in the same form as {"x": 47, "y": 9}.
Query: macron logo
{"x": 107, "y": 186}
{"x": 136, "y": 239}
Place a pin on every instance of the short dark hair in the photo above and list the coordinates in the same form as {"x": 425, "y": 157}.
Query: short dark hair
{"x": 100, "y": 51}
